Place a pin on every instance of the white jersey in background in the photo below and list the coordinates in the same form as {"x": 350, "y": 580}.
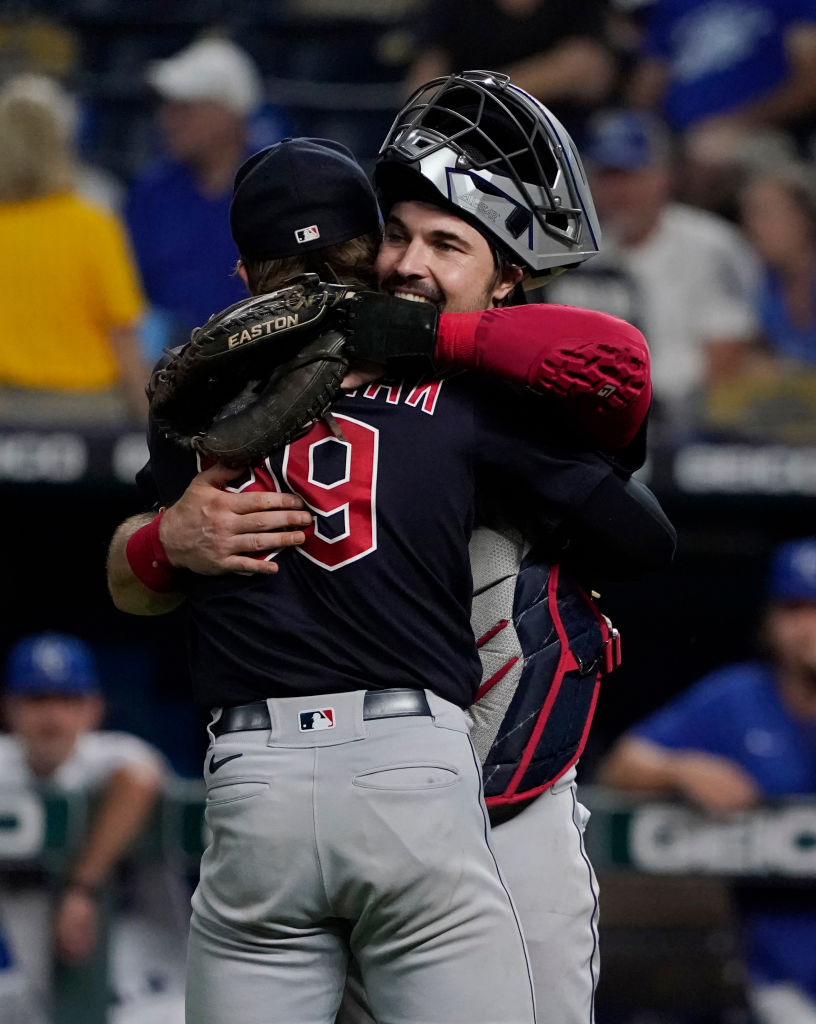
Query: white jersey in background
{"x": 148, "y": 933}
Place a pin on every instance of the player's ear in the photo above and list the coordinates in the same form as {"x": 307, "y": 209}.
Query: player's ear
{"x": 507, "y": 278}
{"x": 240, "y": 270}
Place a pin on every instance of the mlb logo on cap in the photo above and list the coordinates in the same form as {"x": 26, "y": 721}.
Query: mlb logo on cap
{"x": 307, "y": 234}
{"x": 320, "y": 718}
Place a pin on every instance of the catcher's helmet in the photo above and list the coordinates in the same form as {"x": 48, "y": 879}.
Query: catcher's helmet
{"x": 477, "y": 144}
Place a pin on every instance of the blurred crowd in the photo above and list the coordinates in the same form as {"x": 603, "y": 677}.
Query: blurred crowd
{"x": 696, "y": 120}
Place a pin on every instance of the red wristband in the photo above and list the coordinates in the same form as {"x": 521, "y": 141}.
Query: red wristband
{"x": 148, "y": 559}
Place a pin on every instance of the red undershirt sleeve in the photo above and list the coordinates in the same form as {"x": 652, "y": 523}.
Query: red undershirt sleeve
{"x": 595, "y": 364}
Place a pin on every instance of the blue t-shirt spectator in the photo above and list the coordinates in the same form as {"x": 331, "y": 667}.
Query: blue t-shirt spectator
{"x": 721, "y": 53}
{"x": 737, "y": 712}
{"x": 212, "y": 115}
{"x": 183, "y": 246}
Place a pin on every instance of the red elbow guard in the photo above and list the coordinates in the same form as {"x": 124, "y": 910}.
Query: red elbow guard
{"x": 607, "y": 387}
{"x": 594, "y": 363}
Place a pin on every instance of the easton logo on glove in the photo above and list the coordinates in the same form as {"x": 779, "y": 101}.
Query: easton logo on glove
{"x": 280, "y": 323}
{"x": 284, "y": 308}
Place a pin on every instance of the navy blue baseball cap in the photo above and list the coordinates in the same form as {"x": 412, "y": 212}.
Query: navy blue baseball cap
{"x": 625, "y": 140}
{"x": 793, "y": 571}
{"x": 300, "y": 195}
{"x": 53, "y": 664}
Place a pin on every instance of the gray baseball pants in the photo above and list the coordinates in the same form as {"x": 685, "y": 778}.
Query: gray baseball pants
{"x": 369, "y": 837}
{"x": 542, "y": 857}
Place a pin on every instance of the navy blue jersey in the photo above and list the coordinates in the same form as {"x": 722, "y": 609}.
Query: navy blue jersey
{"x": 380, "y": 594}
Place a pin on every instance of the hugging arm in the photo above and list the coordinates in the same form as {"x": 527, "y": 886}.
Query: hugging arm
{"x": 582, "y": 507}
{"x": 209, "y": 530}
{"x": 596, "y": 366}
{"x": 620, "y": 530}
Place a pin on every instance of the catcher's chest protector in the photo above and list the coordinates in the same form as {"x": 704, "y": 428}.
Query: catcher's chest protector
{"x": 544, "y": 647}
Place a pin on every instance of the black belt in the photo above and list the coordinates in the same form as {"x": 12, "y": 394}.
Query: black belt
{"x": 376, "y": 704}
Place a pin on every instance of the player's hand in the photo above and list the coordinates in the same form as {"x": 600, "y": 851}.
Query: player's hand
{"x": 75, "y": 926}
{"x": 714, "y": 783}
{"x": 212, "y": 531}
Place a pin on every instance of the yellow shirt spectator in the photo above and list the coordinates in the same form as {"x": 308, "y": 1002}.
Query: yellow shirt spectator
{"x": 68, "y": 280}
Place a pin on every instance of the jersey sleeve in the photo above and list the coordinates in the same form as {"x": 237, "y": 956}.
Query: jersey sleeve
{"x": 166, "y": 476}
{"x": 596, "y": 366}
{"x": 586, "y": 512}
{"x": 146, "y": 485}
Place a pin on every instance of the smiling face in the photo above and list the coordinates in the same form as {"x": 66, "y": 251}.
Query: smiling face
{"x": 429, "y": 255}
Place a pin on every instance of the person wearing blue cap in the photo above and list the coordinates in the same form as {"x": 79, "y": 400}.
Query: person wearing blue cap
{"x": 743, "y": 734}
{"x": 53, "y": 708}
{"x": 51, "y": 672}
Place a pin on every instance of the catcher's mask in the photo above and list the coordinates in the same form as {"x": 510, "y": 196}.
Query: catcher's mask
{"x": 476, "y": 144}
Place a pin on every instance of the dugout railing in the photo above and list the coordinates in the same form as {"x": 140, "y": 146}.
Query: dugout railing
{"x": 664, "y": 869}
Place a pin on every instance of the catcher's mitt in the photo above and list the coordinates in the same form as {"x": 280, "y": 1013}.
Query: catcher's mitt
{"x": 396, "y": 333}
{"x": 254, "y": 375}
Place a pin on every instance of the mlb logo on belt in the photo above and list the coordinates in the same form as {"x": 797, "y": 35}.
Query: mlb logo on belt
{"x": 320, "y": 718}
{"x": 307, "y": 234}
